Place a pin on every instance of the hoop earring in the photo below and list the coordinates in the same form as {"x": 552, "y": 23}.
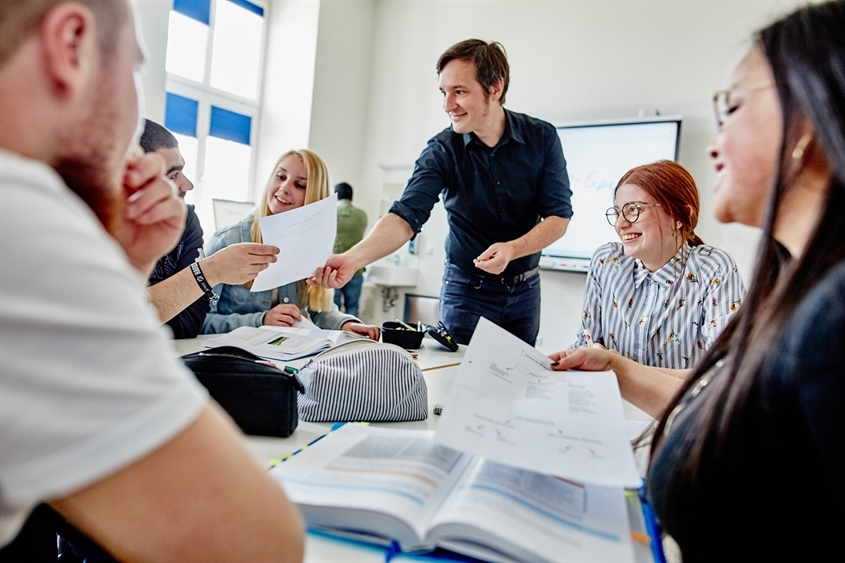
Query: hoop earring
{"x": 801, "y": 146}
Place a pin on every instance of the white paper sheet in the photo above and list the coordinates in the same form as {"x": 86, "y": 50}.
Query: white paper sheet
{"x": 305, "y": 322}
{"x": 305, "y": 237}
{"x": 508, "y": 406}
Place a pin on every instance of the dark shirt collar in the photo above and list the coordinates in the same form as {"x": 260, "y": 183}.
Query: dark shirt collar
{"x": 513, "y": 130}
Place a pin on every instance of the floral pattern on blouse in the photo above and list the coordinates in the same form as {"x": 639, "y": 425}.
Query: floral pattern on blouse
{"x": 670, "y": 317}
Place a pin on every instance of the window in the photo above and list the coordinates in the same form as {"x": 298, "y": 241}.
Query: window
{"x": 214, "y": 70}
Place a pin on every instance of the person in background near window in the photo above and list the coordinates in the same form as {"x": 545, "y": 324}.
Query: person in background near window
{"x": 97, "y": 417}
{"x": 351, "y": 224}
{"x": 748, "y": 458}
{"x": 299, "y": 178}
{"x": 660, "y": 296}
{"x": 180, "y": 282}
{"x": 506, "y": 192}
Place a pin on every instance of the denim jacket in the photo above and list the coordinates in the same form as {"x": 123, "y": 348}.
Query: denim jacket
{"x": 238, "y": 306}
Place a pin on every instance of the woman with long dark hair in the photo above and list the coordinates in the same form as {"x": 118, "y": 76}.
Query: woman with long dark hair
{"x": 749, "y": 456}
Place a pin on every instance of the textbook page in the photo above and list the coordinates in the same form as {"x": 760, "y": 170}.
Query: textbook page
{"x": 545, "y": 517}
{"x": 400, "y": 473}
{"x": 282, "y": 343}
{"x": 507, "y": 405}
{"x": 305, "y": 237}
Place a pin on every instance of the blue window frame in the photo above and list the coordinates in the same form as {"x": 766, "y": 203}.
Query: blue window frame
{"x": 246, "y": 4}
{"x": 180, "y": 114}
{"x": 230, "y": 125}
{"x": 199, "y": 10}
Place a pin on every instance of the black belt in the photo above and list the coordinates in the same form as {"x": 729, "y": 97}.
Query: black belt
{"x": 520, "y": 278}
{"x": 508, "y": 281}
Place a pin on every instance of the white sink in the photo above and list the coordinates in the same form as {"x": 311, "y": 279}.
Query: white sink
{"x": 392, "y": 276}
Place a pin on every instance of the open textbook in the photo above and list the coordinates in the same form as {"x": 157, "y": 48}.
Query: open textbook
{"x": 508, "y": 406}
{"x": 399, "y": 485}
{"x": 283, "y": 343}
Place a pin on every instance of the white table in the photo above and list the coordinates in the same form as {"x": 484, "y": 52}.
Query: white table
{"x": 438, "y": 364}
{"x": 439, "y": 367}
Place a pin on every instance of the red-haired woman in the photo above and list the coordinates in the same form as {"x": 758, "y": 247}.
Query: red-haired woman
{"x": 660, "y": 295}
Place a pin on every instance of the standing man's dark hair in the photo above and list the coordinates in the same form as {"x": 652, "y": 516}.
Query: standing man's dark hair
{"x": 343, "y": 191}
{"x": 490, "y": 60}
{"x": 156, "y": 137}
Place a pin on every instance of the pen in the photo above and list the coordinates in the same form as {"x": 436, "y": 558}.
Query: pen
{"x": 406, "y": 325}
{"x": 419, "y": 326}
{"x": 291, "y": 370}
{"x": 588, "y": 337}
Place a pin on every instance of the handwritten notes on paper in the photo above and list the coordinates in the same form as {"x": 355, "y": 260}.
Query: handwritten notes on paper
{"x": 508, "y": 406}
{"x": 305, "y": 237}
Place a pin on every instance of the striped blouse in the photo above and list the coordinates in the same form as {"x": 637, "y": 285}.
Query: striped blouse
{"x": 666, "y": 318}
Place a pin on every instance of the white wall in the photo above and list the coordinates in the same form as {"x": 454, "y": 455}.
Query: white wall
{"x": 153, "y": 16}
{"x": 341, "y": 88}
{"x": 569, "y": 61}
{"x": 288, "y": 90}
{"x": 355, "y": 81}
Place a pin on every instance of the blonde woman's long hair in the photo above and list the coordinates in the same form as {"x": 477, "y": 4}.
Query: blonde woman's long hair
{"x": 316, "y": 188}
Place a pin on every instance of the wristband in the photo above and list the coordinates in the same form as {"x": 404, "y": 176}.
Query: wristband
{"x": 202, "y": 282}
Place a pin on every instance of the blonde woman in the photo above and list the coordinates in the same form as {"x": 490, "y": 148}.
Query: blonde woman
{"x": 299, "y": 178}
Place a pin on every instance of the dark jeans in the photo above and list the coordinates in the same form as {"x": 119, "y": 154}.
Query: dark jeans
{"x": 465, "y": 297}
{"x": 351, "y": 294}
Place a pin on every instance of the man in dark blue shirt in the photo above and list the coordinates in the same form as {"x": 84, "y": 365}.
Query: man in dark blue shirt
{"x": 181, "y": 281}
{"x": 504, "y": 184}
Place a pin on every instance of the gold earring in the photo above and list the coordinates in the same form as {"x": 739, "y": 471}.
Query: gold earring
{"x": 801, "y": 146}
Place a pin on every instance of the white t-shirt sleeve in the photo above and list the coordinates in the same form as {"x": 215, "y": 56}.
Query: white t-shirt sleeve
{"x": 89, "y": 382}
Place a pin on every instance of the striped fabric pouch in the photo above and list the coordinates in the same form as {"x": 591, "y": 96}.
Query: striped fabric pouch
{"x": 362, "y": 381}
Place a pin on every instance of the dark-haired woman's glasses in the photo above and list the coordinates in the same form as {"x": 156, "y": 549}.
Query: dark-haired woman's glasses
{"x": 630, "y": 211}
{"x": 722, "y": 107}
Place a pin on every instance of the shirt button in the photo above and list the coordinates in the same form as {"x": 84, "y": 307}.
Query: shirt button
{"x": 286, "y": 299}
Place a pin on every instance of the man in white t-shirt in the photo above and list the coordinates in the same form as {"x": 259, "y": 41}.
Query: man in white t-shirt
{"x": 97, "y": 417}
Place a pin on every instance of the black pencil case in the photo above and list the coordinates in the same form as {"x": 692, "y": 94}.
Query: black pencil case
{"x": 259, "y": 397}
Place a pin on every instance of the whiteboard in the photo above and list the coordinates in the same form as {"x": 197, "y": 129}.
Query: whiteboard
{"x": 597, "y": 155}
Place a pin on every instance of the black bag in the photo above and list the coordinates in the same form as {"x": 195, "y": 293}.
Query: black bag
{"x": 260, "y": 398}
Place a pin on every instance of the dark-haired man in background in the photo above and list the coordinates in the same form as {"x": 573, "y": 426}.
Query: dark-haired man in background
{"x": 181, "y": 281}
{"x": 506, "y": 192}
{"x": 351, "y": 224}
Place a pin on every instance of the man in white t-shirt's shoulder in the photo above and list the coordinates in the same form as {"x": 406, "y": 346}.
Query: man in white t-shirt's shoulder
{"x": 97, "y": 417}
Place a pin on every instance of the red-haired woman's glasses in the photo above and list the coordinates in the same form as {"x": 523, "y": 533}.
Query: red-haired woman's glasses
{"x": 630, "y": 211}
{"x": 722, "y": 107}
